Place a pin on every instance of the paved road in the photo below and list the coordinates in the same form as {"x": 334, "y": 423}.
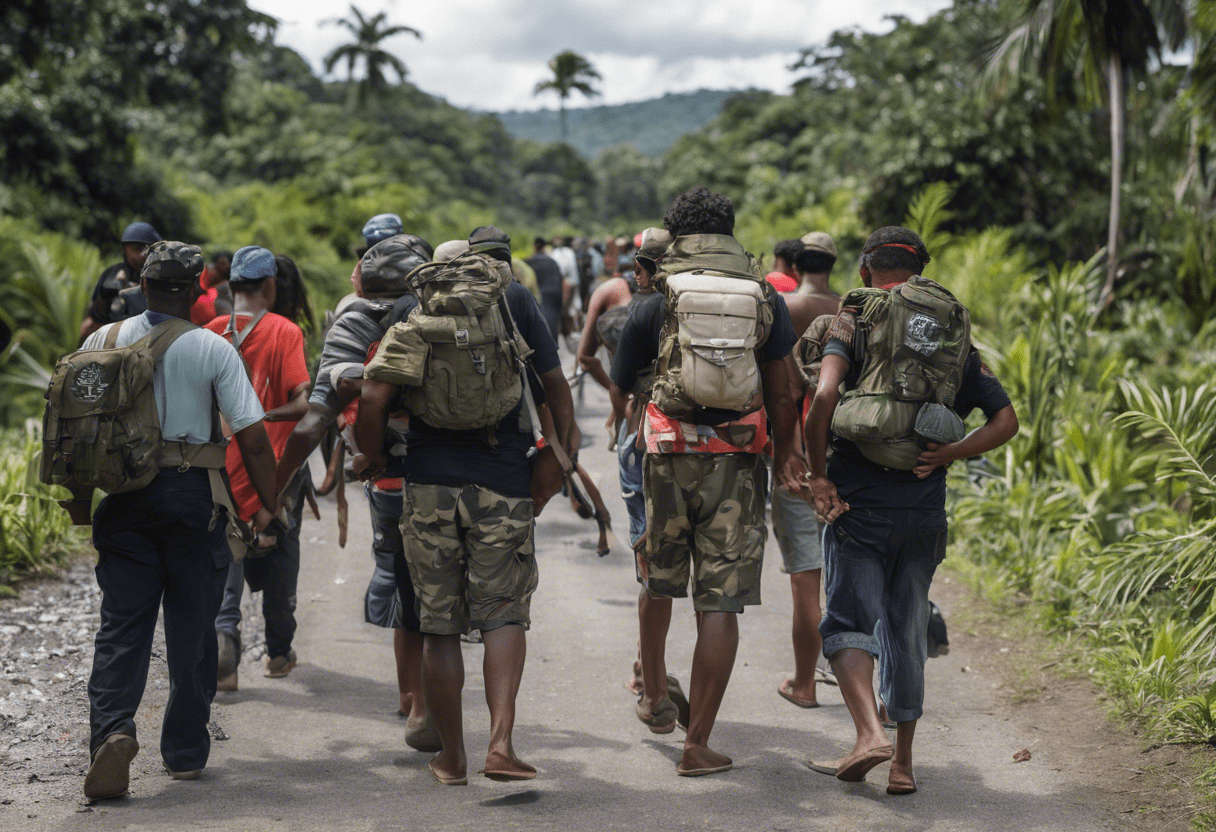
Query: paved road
{"x": 324, "y": 749}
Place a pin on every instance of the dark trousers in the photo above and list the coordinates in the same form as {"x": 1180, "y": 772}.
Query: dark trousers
{"x": 276, "y": 574}
{"x": 155, "y": 547}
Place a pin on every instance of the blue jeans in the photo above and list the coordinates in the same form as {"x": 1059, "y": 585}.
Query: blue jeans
{"x": 880, "y": 563}
{"x": 630, "y": 459}
{"x": 389, "y": 601}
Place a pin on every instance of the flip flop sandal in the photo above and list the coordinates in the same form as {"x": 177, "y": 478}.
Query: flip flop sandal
{"x": 856, "y": 770}
{"x": 826, "y": 677}
{"x": 447, "y": 781}
{"x": 903, "y": 786}
{"x": 676, "y": 694}
{"x": 701, "y": 772}
{"x": 660, "y": 720}
{"x": 830, "y": 771}
{"x": 789, "y": 697}
{"x": 509, "y": 776}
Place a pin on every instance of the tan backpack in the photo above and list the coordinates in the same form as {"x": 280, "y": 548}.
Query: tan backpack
{"x": 717, "y": 317}
{"x": 101, "y": 428}
{"x": 454, "y": 355}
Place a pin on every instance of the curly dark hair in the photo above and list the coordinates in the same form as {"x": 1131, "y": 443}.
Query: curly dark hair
{"x": 895, "y": 248}
{"x": 787, "y": 250}
{"x": 700, "y": 211}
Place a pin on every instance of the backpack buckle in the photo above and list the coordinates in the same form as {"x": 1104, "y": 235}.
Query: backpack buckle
{"x": 479, "y": 364}
{"x": 462, "y": 338}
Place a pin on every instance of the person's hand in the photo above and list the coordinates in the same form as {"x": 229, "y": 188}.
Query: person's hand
{"x": 791, "y": 475}
{"x": 81, "y": 511}
{"x": 937, "y": 456}
{"x": 367, "y": 466}
{"x": 546, "y": 479}
{"x": 827, "y": 502}
{"x": 613, "y": 426}
{"x": 271, "y": 416}
{"x": 260, "y": 520}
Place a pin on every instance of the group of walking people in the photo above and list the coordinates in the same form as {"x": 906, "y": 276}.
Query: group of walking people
{"x": 442, "y": 375}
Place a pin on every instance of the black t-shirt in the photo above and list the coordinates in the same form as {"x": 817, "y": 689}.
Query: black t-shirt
{"x": 639, "y": 344}
{"x": 548, "y": 279}
{"x": 106, "y": 306}
{"x": 864, "y": 484}
{"x": 435, "y": 456}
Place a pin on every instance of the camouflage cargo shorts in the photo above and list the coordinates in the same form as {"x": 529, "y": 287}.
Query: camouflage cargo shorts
{"x": 705, "y": 515}
{"x": 471, "y": 556}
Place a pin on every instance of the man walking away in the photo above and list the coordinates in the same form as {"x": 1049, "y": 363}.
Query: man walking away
{"x": 705, "y": 429}
{"x": 553, "y": 288}
{"x": 106, "y": 305}
{"x": 165, "y": 542}
{"x": 471, "y": 492}
{"x": 783, "y": 257}
{"x": 883, "y": 493}
{"x": 272, "y": 348}
{"x": 813, "y": 264}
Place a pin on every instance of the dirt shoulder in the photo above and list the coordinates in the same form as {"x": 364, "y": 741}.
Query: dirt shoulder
{"x": 1044, "y": 689}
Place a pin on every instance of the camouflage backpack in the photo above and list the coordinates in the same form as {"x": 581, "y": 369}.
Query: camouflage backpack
{"x": 912, "y": 342}
{"x": 717, "y": 316}
{"x": 101, "y": 428}
{"x": 454, "y": 355}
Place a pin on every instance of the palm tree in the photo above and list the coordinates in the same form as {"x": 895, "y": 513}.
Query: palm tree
{"x": 369, "y": 33}
{"x": 1102, "y": 42}
{"x": 571, "y": 72}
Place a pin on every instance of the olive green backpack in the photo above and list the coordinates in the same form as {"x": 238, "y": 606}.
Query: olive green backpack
{"x": 717, "y": 317}
{"x": 101, "y": 428}
{"x": 454, "y": 356}
{"x": 912, "y": 342}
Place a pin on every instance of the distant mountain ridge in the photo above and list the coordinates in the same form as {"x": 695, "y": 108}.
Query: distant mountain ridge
{"x": 651, "y": 126}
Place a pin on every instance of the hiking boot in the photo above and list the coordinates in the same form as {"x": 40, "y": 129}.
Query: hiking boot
{"x": 279, "y": 666}
{"x": 229, "y": 661}
{"x": 110, "y": 772}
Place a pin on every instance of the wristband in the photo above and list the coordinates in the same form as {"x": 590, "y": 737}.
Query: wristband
{"x": 541, "y": 444}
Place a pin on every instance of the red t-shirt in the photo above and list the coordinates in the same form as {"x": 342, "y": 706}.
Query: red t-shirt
{"x": 274, "y": 352}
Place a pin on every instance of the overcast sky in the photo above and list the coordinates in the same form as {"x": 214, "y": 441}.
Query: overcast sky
{"x": 489, "y": 54}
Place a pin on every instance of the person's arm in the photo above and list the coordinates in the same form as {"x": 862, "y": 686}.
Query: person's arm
{"x": 797, "y": 392}
{"x": 305, "y": 437}
{"x": 258, "y": 457}
{"x": 294, "y": 410}
{"x": 87, "y": 327}
{"x": 620, "y": 404}
{"x": 590, "y": 342}
{"x": 788, "y": 464}
{"x": 832, "y": 373}
{"x": 374, "y": 399}
{"x": 999, "y": 429}
{"x": 561, "y": 405}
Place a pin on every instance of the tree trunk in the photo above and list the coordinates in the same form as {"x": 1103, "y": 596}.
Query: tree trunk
{"x": 1118, "y": 118}
{"x": 561, "y": 110}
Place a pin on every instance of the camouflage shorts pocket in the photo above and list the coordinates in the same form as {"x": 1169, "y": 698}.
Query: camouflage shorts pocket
{"x": 436, "y": 557}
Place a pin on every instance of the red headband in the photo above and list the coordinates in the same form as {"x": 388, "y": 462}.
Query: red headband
{"x": 912, "y": 249}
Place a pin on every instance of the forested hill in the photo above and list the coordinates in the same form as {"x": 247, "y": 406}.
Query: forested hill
{"x": 650, "y": 126}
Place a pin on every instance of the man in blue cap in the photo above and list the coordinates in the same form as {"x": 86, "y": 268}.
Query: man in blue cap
{"x": 107, "y": 307}
{"x": 272, "y": 348}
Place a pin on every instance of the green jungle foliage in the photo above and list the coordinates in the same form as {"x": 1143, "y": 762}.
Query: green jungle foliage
{"x": 1102, "y": 510}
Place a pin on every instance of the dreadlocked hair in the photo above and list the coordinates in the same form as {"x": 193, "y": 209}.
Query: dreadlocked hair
{"x": 291, "y": 295}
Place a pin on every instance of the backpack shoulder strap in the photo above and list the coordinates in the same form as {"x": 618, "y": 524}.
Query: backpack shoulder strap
{"x": 238, "y": 338}
{"x": 164, "y": 334}
{"x": 112, "y": 335}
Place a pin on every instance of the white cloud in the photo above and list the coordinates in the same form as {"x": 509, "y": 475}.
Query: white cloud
{"x": 489, "y": 54}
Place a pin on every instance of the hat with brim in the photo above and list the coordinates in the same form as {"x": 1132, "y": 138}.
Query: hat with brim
{"x": 175, "y": 265}
{"x": 819, "y": 241}
{"x": 251, "y": 264}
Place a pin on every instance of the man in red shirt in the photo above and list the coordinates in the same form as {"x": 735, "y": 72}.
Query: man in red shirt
{"x": 272, "y": 348}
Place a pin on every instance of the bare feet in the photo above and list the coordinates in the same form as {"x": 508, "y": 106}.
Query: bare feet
{"x": 502, "y": 765}
{"x": 803, "y": 697}
{"x": 700, "y": 760}
{"x": 900, "y": 780}
{"x": 422, "y": 734}
{"x": 449, "y": 770}
{"x": 634, "y": 685}
{"x": 857, "y": 764}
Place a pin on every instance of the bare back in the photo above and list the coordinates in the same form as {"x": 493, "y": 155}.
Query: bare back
{"x": 806, "y": 308}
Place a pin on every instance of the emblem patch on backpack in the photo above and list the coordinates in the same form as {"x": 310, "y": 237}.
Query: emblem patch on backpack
{"x": 924, "y": 334}
{"x": 89, "y": 387}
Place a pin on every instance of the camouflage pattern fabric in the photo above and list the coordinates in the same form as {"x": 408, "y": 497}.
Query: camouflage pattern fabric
{"x": 705, "y": 516}
{"x": 173, "y": 262}
{"x": 471, "y": 556}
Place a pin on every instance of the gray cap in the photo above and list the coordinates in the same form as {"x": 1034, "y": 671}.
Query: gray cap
{"x": 172, "y": 262}
{"x": 381, "y": 227}
{"x": 450, "y": 250}
{"x": 251, "y": 263}
{"x": 140, "y": 232}
{"x": 819, "y": 241}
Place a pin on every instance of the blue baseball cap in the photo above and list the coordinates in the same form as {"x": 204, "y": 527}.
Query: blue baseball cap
{"x": 251, "y": 263}
{"x": 140, "y": 232}
{"x": 381, "y": 227}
